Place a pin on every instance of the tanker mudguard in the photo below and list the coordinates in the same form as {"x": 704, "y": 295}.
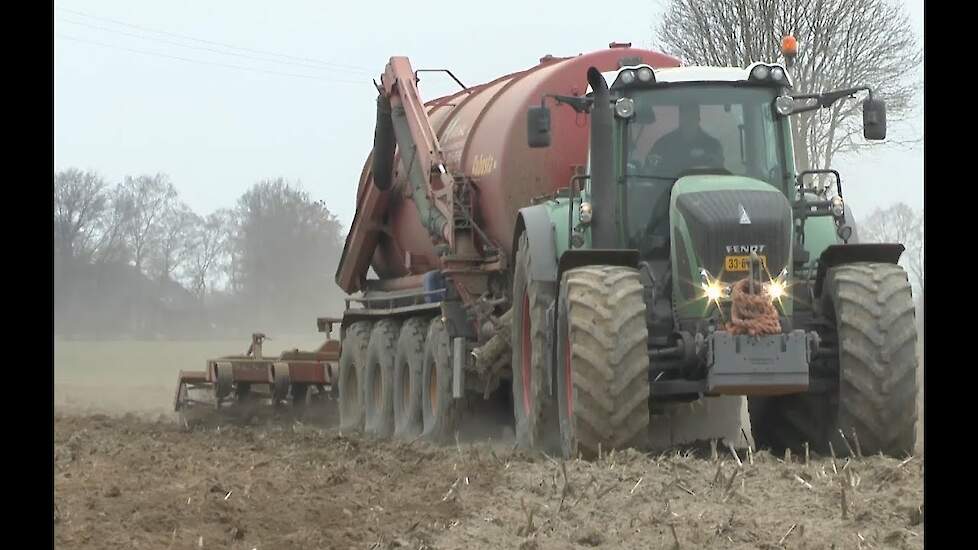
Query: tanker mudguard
{"x": 535, "y": 222}
{"x": 840, "y": 254}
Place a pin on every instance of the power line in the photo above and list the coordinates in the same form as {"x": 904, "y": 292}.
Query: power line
{"x": 145, "y": 52}
{"x": 203, "y": 48}
{"x": 222, "y": 44}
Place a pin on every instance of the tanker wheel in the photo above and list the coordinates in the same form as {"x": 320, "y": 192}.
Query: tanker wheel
{"x": 408, "y": 366}
{"x": 353, "y": 359}
{"x": 439, "y": 411}
{"x": 876, "y": 394}
{"x": 602, "y": 361}
{"x": 533, "y": 407}
{"x": 378, "y": 378}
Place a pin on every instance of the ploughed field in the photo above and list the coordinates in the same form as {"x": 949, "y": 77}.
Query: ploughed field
{"x": 128, "y": 475}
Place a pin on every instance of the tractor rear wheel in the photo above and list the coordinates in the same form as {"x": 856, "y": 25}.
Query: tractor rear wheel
{"x": 602, "y": 360}
{"x": 408, "y": 364}
{"x": 533, "y": 407}
{"x": 353, "y": 359}
{"x": 876, "y": 395}
{"x": 378, "y": 380}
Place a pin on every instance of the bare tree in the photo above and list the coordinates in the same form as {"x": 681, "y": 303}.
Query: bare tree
{"x": 207, "y": 244}
{"x": 80, "y": 201}
{"x": 842, "y": 43}
{"x": 110, "y": 243}
{"x": 143, "y": 202}
{"x": 172, "y": 247}
{"x": 899, "y": 224}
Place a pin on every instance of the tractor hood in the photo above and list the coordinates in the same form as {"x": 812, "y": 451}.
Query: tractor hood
{"x": 716, "y": 222}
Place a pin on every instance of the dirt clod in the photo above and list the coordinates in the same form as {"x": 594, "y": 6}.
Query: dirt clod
{"x": 589, "y": 537}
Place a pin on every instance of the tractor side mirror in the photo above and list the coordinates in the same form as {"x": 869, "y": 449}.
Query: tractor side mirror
{"x": 874, "y": 119}
{"x": 538, "y": 127}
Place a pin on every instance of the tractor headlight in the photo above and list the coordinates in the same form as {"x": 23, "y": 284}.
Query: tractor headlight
{"x": 777, "y": 289}
{"x": 770, "y": 74}
{"x": 713, "y": 289}
{"x": 625, "y": 107}
{"x": 645, "y": 74}
{"x": 784, "y": 105}
{"x": 760, "y": 72}
{"x": 627, "y": 77}
{"x": 585, "y": 213}
{"x": 838, "y": 207}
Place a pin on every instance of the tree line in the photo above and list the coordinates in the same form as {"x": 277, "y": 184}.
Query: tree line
{"x": 132, "y": 259}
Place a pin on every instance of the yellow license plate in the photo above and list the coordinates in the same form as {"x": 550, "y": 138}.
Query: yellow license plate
{"x": 740, "y": 263}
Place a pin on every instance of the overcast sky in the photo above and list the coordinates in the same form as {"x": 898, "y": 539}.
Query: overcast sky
{"x": 133, "y": 94}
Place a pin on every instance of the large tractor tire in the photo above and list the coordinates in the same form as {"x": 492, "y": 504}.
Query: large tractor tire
{"x": 378, "y": 380}
{"x": 602, "y": 361}
{"x": 876, "y": 336}
{"x": 439, "y": 410}
{"x": 353, "y": 360}
{"x": 408, "y": 367}
{"x": 533, "y": 407}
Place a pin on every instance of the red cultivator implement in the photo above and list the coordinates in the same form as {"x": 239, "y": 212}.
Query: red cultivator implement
{"x": 300, "y": 383}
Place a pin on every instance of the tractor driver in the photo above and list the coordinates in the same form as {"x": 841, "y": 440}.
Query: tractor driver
{"x": 686, "y": 147}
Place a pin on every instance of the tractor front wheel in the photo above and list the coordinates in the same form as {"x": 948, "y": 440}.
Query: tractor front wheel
{"x": 872, "y": 407}
{"x": 602, "y": 361}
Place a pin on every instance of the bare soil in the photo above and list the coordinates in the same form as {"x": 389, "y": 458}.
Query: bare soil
{"x": 135, "y": 482}
{"x": 127, "y": 474}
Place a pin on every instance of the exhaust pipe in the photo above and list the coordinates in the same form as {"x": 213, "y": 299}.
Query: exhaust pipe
{"x": 604, "y": 232}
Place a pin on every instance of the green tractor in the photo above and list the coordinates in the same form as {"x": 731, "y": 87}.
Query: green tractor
{"x": 628, "y": 280}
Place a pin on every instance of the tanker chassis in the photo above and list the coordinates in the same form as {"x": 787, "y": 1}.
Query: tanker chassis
{"x": 622, "y": 266}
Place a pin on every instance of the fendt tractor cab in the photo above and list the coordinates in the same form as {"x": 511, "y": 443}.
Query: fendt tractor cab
{"x": 692, "y": 219}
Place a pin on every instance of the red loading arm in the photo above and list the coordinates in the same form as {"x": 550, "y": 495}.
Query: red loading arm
{"x": 421, "y": 152}
{"x": 400, "y": 86}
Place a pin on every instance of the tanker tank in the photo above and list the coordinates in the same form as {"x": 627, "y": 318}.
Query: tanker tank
{"x": 482, "y": 133}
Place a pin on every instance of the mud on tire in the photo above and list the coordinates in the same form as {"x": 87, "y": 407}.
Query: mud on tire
{"x": 876, "y": 335}
{"x": 408, "y": 366}
{"x": 602, "y": 360}
{"x": 378, "y": 380}
{"x": 439, "y": 410}
{"x": 353, "y": 359}
{"x": 533, "y": 408}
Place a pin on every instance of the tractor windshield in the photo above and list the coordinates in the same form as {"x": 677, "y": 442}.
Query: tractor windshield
{"x": 690, "y": 129}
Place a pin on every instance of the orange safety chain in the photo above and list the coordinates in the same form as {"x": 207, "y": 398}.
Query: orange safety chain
{"x": 752, "y": 314}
